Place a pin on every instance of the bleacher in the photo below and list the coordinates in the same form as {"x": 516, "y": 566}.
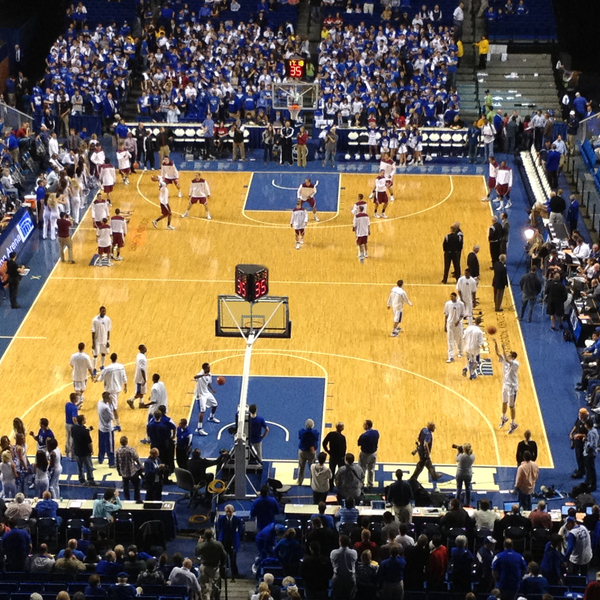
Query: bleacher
{"x": 539, "y": 25}
{"x": 100, "y": 11}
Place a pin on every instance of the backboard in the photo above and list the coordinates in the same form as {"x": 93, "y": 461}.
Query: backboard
{"x": 303, "y": 94}
{"x": 238, "y": 318}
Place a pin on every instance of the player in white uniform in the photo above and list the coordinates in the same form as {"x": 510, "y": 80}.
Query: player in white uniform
{"x": 97, "y": 159}
{"x": 396, "y": 301}
{"x": 298, "y": 222}
{"x": 306, "y": 193}
{"x": 140, "y": 377}
{"x": 163, "y": 196}
{"x": 108, "y": 177}
{"x": 124, "y": 163}
{"x": 115, "y": 381}
{"x": 101, "y": 328}
{"x": 510, "y": 385}
{"x": 118, "y": 229}
{"x": 170, "y": 174}
{"x": 199, "y": 192}
{"x": 388, "y": 166}
{"x": 361, "y": 226}
{"x": 473, "y": 337}
{"x": 491, "y": 182}
{"x": 504, "y": 181}
{"x": 454, "y": 311}
{"x": 100, "y": 208}
{"x": 360, "y": 201}
{"x": 158, "y": 397}
{"x": 82, "y": 365}
{"x": 466, "y": 286}
{"x": 104, "y": 240}
{"x": 204, "y": 394}
{"x": 380, "y": 194}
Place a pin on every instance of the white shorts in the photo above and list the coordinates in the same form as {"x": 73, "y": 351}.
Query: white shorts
{"x": 207, "y": 401}
{"x": 114, "y": 396}
{"x": 397, "y": 316}
{"x": 472, "y": 354}
{"x": 79, "y": 386}
{"x": 100, "y": 349}
{"x": 509, "y": 396}
{"x": 140, "y": 388}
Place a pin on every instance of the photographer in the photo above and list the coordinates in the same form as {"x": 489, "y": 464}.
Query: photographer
{"x": 464, "y": 471}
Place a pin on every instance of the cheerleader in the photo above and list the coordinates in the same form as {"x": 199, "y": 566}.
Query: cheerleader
{"x": 51, "y": 213}
{"x": 75, "y": 198}
{"x": 402, "y": 148}
{"x": 372, "y": 140}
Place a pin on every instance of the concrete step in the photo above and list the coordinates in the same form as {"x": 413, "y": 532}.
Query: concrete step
{"x": 238, "y": 589}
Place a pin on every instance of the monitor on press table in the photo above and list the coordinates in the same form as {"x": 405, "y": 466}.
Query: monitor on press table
{"x": 565, "y": 509}
{"x": 378, "y": 504}
{"x": 508, "y": 506}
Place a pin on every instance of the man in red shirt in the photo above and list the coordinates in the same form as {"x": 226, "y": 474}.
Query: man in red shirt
{"x": 437, "y": 565}
{"x": 301, "y": 148}
{"x": 540, "y": 518}
{"x": 64, "y": 223}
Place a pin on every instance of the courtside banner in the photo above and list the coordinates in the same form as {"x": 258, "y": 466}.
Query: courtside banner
{"x": 18, "y": 231}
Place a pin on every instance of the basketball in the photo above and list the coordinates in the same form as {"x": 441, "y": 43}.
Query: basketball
{"x": 491, "y": 330}
{"x": 136, "y": 165}
{"x": 221, "y": 380}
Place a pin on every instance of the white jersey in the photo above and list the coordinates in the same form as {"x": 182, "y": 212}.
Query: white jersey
{"x": 397, "y": 299}
{"x": 466, "y": 288}
{"x": 169, "y": 171}
{"x": 158, "y": 397}
{"x": 381, "y": 184}
{"x": 141, "y": 366}
{"x": 99, "y": 210}
{"x": 493, "y": 170}
{"x": 114, "y": 377}
{"x": 80, "y": 362}
{"x": 509, "y": 374}
{"x": 473, "y": 337}
{"x": 504, "y": 176}
{"x": 108, "y": 175}
{"x": 454, "y": 311}
{"x": 105, "y": 417}
{"x": 361, "y": 225}
{"x": 199, "y": 189}
{"x": 299, "y": 218}
{"x": 124, "y": 159}
{"x": 388, "y": 167}
{"x": 104, "y": 236}
{"x": 118, "y": 225}
{"x": 306, "y": 191}
{"x": 202, "y": 383}
{"x": 356, "y": 208}
{"x": 163, "y": 194}
{"x": 101, "y": 326}
{"x": 98, "y": 158}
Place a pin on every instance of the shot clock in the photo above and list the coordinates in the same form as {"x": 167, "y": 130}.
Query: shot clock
{"x": 296, "y": 68}
{"x": 251, "y": 282}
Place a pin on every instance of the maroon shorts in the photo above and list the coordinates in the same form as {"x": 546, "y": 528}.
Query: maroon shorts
{"x": 97, "y": 224}
{"x": 491, "y": 183}
{"x": 362, "y": 240}
{"x": 117, "y": 239}
{"x": 103, "y": 249}
{"x": 381, "y": 198}
{"x": 389, "y": 183}
{"x": 299, "y": 231}
{"x": 125, "y": 171}
{"x": 194, "y": 200}
{"x": 108, "y": 189}
{"x": 311, "y": 202}
{"x": 165, "y": 209}
{"x": 175, "y": 181}
{"x": 502, "y": 189}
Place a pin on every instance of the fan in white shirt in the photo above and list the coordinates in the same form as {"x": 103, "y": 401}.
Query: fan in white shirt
{"x": 298, "y": 222}
{"x": 454, "y": 311}
{"x": 82, "y": 365}
{"x": 396, "y": 301}
{"x": 140, "y": 377}
{"x": 473, "y": 337}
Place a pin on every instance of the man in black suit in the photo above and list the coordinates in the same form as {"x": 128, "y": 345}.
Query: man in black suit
{"x": 494, "y": 238}
{"x": 452, "y": 246}
{"x": 473, "y": 266}
{"x": 148, "y": 147}
{"x": 230, "y": 530}
{"x": 14, "y": 273}
{"x": 499, "y": 282}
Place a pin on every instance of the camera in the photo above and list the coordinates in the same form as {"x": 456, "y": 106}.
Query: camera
{"x": 457, "y": 447}
{"x": 416, "y": 449}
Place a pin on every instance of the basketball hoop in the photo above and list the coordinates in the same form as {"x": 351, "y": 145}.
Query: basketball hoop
{"x": 294, "y": 111}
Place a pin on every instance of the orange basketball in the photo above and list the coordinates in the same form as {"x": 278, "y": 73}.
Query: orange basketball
{"x": 491, "y": 330}
{"x": 221, "y": 380}
{"x": 136, "y": 165}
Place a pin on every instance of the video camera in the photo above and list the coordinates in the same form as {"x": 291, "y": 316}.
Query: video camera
{"x": 459, "y": 448}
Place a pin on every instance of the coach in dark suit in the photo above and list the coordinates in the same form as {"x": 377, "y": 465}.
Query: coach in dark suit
{"x": 148, "y": 147}
{"x": 14, "y": 273}
{"x": 229, "y": 532}
{"x": 499, "y": 282}
{"x": 494, "y": 238}
{"x": 452, "y": 246}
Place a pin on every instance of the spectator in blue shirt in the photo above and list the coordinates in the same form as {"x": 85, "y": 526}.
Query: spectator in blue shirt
{"x": 473, "y": 135}
{"x": 579, "y": 103}
{"x": 573, "y": 213}
{"x": 94, "y": 589}
{"x": 47, "y": 508}
{"x": 326, "y": 519}
{"x": 348, "y": 513}
{"x": 552, "y": 164}
{"x": 308, "y": 442}
{"x": 122, "y": 589}
{"x": 508, "y": 568}
{"x": 391, "y": 573}
{"x": 257, "y": 430}
{"x": 43, "y": 434}
{"x": 184, "y": 444}
{"x": 265, "y": 508}
{"x": 368, "y": 442}
{"x": 553, "y": 560}
{"x": 265, "y": 542}
{"x": 71, "y": 412}
{"x": 533, "y": 582}
{"x": 109, "y": 504}
{"x": 16, "y": 545}
{"x": 289, "y": 552}
{"x": 590, "y": 449}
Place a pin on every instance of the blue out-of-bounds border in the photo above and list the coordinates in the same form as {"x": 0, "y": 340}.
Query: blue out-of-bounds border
{"x": 278, "y": 191}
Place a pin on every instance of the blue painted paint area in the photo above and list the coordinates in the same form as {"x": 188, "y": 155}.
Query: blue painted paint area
{"x": 287, "y": 401}
{"x": 277, "y": 191}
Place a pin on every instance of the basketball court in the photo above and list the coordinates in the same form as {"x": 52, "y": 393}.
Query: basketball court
{"x": 340, "y": 363}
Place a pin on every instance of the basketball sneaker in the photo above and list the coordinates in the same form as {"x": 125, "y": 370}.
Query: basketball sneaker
{"x": 208, "y": 216}
{"x": 394, "y": 333}
{"x": 316, "y": 218}
{"x": 201, "y": 432}
{"x": 298, "y": 246}
{"x": 170, "y": 227}
{"x": 185, "y": 214}
{"x": 130, "y": 403}
{"x": 464, "y": 372}
{"x": 392, "y": 199}
{"x": 377, "y": 216}
{"x": 366, "y": 255}
{"x": 449, "y": 360}
{"x": 213, "y": 419}
{"x": 384, "y": 215}
{"x": 155, "y": 223}
{"x": 513, "y": 426}
{"x": 503, "y": 422}
{"x": 179, "y": 195}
